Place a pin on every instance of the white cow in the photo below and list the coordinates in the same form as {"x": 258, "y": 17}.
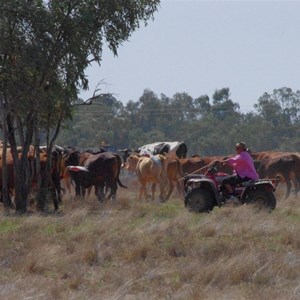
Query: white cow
{"x": 169, "y": 149}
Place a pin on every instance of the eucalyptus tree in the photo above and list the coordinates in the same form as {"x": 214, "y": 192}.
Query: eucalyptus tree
{"x": 150, "y": 110}
{"x": 183, "y": 105}
{"x": 281, "y": 109}
{"x": 222, "y": 104}
{"x": 45, "y": 49}
{"x": 91, "y": 124}
{"x": 202, "y": 106}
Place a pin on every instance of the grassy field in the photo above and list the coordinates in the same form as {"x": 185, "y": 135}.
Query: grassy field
{"x": 143, "y": 250}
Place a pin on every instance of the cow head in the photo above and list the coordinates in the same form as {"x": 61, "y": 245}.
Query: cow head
{"x": 126, "y": 154}
{"x": 131, "y": 162}
{"x": 71, "y": 157}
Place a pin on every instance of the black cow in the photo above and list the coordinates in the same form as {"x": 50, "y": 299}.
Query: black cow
{"x": 126, "y": 154}
{"x": 96, "y": 170}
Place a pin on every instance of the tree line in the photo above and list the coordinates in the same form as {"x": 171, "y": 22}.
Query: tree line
{"x": 209, "y": 126}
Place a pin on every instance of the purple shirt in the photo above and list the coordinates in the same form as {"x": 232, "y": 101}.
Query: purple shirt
{"x": 243, "y": 165}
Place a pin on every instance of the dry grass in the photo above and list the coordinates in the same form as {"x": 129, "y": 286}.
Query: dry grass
{"x": 130, "y": 250}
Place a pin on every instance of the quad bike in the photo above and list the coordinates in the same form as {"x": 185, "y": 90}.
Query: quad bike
{"x": 204, "y": 191}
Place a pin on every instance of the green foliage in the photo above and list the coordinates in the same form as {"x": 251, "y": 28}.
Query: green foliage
{"x": 208, "y": 127}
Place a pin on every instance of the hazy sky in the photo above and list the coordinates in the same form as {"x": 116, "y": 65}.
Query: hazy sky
{"x": 197, "y": 47}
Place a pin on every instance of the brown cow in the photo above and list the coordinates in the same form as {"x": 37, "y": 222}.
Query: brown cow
{"x": 259, "y": 156}
{"x": 174, "y": 175}
{"x": 197, "y": 164}
{"x": 96, "y": 170}
{"x": 10, "y": 170}
{"x": 191, "y": 165}
{"x": 149, "y": 170}
{"x": 286, "y": 165}
{"x": 55, "y": 183}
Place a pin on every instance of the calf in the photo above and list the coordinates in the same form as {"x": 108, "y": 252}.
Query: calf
{"x": 149, "y": 170}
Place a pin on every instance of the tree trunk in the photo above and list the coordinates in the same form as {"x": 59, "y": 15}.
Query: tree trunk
{"x": 4, "y": 189}
{"x": 21, "y": 167}
{"x": 41, "y": 192}
{"x": 20, "y": 189}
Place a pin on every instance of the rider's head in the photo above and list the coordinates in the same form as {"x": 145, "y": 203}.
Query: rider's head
{"x": 241, "y": 146}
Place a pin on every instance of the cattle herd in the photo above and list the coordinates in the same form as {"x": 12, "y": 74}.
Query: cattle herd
{"x": 164, "y": 164}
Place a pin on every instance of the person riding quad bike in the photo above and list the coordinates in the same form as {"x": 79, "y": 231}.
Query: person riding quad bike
{"x": 243, "y": 167}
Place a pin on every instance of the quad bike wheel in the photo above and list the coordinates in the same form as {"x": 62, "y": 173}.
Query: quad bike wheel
{"x": 262, "y": 199}
{"x": 198, "y": 200}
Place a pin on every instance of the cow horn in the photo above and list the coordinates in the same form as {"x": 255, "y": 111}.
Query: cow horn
{"x": 77, "y": 168}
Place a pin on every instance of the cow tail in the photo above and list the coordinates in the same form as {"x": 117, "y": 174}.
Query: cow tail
{"x": 119, "y": 171}
{"x": 120, "y": 183}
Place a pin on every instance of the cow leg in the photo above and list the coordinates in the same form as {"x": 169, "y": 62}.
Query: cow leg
{"x": 110, "y": 195}
{"x": 8, "y": 200}
{"x": 143, "y": 191}
{"x": 148, "y": 196}
{"x": 153, "y": 187}
{"x": 57, "y": 185}
{"x": 171, "y": 189}
{"x": 295, "y": 182}
{"x": 66, "y": 185}
{"x": 296, "y": 186}
{"x": 10, "y": 203}
{"x": 162, "y": 192}
{"x": 113, "y": 189}
{"x": 164, "y": 185}
{"x": 82, "y": 191}
{"x": 100, "y": 192}
{"x": 89, "y": 189}
{"x": 288, "y": 187}
{"x": 180, "y": 188}
{"x": 77, "y": 190}
{"x": 54, "y": 197}
{"x": 108, "y": 187}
